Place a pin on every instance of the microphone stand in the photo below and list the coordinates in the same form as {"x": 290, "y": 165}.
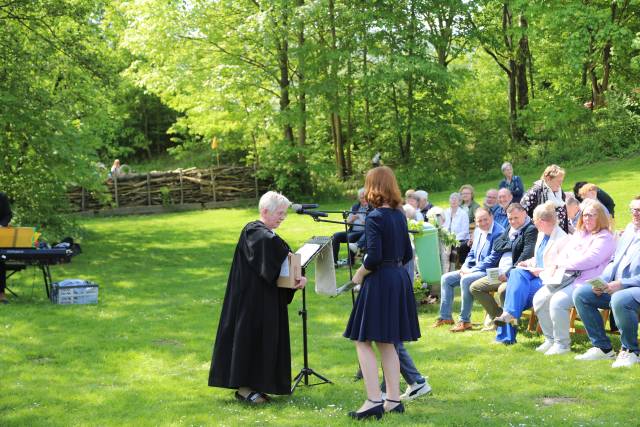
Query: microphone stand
{"x": 317, "y": 218}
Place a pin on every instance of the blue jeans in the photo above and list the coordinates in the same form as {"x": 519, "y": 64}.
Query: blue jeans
{"x": 624, "y": 308}
{"x": 408, "y": 369}
{"x": 451, "y": 280}
{"x": 521, "y": 287}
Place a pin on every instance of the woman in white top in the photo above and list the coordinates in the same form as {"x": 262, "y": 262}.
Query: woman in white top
{"x": 456, "y": 220}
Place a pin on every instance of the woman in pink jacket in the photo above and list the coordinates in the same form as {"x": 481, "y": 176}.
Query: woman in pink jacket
{"x": 586, "y": 254}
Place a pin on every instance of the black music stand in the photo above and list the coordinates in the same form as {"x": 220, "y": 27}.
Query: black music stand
{"x": 306, "y": 371}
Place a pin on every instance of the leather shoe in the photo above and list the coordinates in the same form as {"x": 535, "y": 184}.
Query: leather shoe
{"x": 441, "y": 322}
{"x": 375, "y": 411}
{"x": 461, "y": 327}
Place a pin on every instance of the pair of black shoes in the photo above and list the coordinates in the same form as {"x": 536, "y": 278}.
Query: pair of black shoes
{"x": 377, "y": 411}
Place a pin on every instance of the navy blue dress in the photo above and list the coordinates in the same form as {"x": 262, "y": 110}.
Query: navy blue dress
{"x": 385, "y": 310}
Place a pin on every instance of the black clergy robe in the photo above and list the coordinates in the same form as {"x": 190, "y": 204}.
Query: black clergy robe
{"x": 252, "y": 344}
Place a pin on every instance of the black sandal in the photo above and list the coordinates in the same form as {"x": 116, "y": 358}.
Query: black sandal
{"x": 252, "y": 398}
{"x": 375, "y": 411}
{"x": 399, "y": 408}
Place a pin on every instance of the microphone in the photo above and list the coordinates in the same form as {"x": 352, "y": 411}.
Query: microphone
{"x": 299, "y": 207}
{"x": 345, "y": 288}
{"x": 314, "y": 214}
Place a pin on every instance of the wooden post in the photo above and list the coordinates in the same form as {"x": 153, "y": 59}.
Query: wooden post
{"x": 181, "y": 192}
{"x": 115, "y": 189}
{"x": 148, "y": 190}
{"x": 213, "y": 185}
{"x": 82, "y": 199}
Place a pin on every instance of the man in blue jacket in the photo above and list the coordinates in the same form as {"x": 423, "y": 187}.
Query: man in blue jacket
{"x": 621, "y": 293}
{"x": 475, "y": 267}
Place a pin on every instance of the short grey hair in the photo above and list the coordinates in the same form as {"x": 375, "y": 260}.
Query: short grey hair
{"x": 456, "y": 195}
{"x": 546, "y": 212}
{"x": 571, "y": 200}
{"x": 422, "y": 194}
{"x": 272, "y": 200}
{"x": 506, "y": 165}
{"x": 361, "y": 193}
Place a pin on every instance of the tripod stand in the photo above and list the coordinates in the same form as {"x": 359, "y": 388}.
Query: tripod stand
{"x": 306, "y": 371}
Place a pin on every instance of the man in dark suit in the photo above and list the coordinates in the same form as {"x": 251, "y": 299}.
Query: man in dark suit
{"x": 517, "y": 243}
{"x": 5, "y": 218}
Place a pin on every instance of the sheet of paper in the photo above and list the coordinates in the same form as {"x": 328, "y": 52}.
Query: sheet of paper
{"x": 597, "y": 282}
{"x": 284, "y": 268}
{"x": 306, "y": 251}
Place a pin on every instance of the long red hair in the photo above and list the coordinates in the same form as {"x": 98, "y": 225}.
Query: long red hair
{"x": 381, "y": 186}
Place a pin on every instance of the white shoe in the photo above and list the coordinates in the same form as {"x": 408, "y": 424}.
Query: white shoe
{"x": 556, "y": 349}
{"x": 595, "y": 353}
{"x": 545, "y": 346}
{"x": 626, "y": 359}
{"x": 415, "y": 390}
{"x": 353, "y": 248}
{"x": 342, "y": 263}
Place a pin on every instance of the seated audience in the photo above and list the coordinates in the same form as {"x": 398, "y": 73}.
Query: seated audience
{"x": 590, "y": 191}
{"x": 514, "y": 245}
{"x": 414, "y": 201}
{"x": 491, "y": 199}
{"x": 548, "y": 187}
{"x": 456, "y": 221}
{"x": 470, "y": 205}
{"x": 423, "y": 202}
{"x": 573, "y": 211}
{"x": 621, "y": 294}
{"x": 500, "y": 210}
{"x": 584, "y": 257}
{"x": 524, "y": 282}
{"x": 511, "y": 182}
{"x": 356, "y": 227}
{"x": 602, "y": 196}
{"x": 475, "y": 267}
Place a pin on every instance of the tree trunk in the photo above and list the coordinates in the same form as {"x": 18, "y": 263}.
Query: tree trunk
{"x": 523, "y": 56}
{"x": 396, "y": 110}
{"x": 368, "y": 133}
{"x": 336, "y": 122}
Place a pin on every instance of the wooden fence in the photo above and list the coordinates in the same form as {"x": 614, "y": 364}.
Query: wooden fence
{"x": 213, "y": 186}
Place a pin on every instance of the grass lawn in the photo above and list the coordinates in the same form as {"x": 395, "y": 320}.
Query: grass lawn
{"x": 141, "y": 356}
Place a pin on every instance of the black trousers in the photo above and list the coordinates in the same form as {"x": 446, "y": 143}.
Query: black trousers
{"x": 342, "y": 237}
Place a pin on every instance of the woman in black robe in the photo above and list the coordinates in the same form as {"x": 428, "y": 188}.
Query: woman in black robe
{"x": 252, "y": 352}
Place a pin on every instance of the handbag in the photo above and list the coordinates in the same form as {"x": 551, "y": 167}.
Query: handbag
{"x": 567, "y": 279}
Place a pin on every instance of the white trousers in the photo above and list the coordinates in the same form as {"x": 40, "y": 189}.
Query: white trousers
{"x": 552, "y": 309}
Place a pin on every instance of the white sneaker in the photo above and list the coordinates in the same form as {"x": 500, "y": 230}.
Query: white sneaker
{"x": 556, "y": 349}
{"x": 626, "y": 359}
{"x": 415, "y": 390}
{"x": 595, "y": 353}
{"x": 545, "y": 346}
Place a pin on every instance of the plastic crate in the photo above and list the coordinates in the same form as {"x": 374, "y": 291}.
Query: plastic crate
{"x": 74, "y": 291}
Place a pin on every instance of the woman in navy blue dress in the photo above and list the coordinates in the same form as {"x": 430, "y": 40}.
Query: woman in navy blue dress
{"x": 385, "y": 310}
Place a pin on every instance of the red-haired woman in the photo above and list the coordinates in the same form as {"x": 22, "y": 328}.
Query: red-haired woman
{"x": 385, "y": 310}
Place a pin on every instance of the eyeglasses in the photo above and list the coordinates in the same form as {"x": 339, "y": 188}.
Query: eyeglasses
{"x": 634, "y": 211}
{"x": 588, "y": 215}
